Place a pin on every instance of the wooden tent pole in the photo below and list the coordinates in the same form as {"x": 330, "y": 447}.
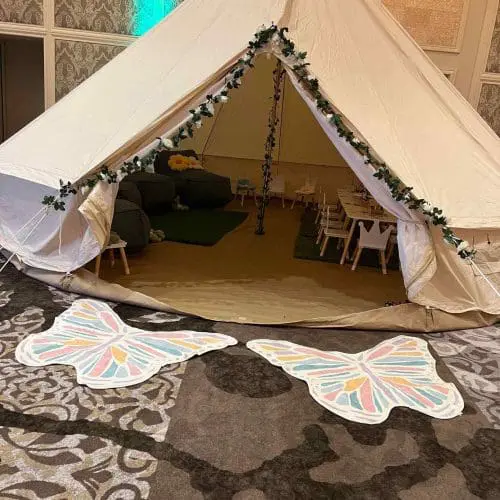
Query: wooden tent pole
{"x": 278, "y": 73}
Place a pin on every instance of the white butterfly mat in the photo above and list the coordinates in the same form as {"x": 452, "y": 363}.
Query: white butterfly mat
{"x": 106, "y": 352}
{"x": 366, "y": 386}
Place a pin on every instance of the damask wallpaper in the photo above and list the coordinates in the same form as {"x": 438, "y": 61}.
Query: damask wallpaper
{"x": 22, "y": 11}
{"x": 493, "y": 65}
{"x": 433, "y": 23}
{"x": 76, "y": 61}
{"x": 489, "y": 105}
{"x": 129, "y": 17}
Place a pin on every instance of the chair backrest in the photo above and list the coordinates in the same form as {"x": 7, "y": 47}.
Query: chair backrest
{"x": 311, "y": 183}
{"x": 243, "y": 182}
{"x": 374, "y": 238}
{"x": 277, "y": 184}
{"x": 330, "y": 215}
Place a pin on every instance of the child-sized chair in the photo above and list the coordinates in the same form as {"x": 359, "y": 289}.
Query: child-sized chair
{"x": 277, "y": 188}
{"x": 307, "y": 190}
{"x": 332, "y": 229}
{"x": 334, "y": 219}
{"x": 245, "y": 188}
{"x": 373, "y": 240}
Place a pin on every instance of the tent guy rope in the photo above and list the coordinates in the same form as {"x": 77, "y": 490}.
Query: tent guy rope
{"x": 274, "y": 38}
{"x": 14, "y": 254}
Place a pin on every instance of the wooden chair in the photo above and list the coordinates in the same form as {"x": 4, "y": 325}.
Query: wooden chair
{"x": 336, "y": 207}
{"x": 332, "y": 230}
{"x": 373, "y": 240}
{"x": 333, "y": 221}
{"x": 120, "y": 245}
{"x": 308, "y": 190}
{"x": 245, "y": 188}
{"x": 277, "y": 187}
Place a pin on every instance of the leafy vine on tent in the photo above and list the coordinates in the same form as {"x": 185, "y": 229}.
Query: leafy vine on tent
{"x": 278, "y": 75}
{"x": 296, "y": 61}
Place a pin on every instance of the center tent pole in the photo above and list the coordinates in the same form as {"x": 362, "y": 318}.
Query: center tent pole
{"x": 279, "y": 74}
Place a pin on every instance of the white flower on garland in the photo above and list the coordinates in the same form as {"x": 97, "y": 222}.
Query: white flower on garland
{"x": 210, "y": 108}
{"x": 224, "y": 99}
{"x": 247, "y": 57}
{"x": 463, "y": 246}
{"x": 138, "y": 163}
{"x": 167, "y": 143}
{"x": 198, "y": 124}
{"x": 311, "y": 78}
{"x": 329, "y": 117}
{"x": 426, "y": 206}
{"x": 85, "y": 190}
{"x": 120, "y": 175}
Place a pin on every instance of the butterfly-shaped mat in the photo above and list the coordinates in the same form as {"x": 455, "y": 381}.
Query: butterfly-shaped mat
{"x": 364, "y": 387}
{"x": 106, "y": 352}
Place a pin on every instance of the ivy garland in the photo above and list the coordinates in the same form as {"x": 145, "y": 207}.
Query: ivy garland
{"x": 297, "y": 62}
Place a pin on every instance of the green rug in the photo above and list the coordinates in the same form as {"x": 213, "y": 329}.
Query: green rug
{"x": 306, "y": 248}
{"x": 198, "y": 227}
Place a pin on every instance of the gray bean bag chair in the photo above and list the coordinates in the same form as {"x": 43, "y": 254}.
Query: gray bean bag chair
{"x": 131, "y": 224}
{"x": 201, "y": 189}
{"x": 129, "y": 191}
{"x": 196, "y": 188}
{"x": 157, "y": 192}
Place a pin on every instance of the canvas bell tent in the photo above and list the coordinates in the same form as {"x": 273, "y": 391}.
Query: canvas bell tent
{"x": 374, "y": 102}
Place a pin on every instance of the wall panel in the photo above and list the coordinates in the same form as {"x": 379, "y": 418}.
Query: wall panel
{"x": 493, "y": 65}
{"x": 434, "y": 24}
{"x": 489, "y": 105}
{"x": 76, "y": 61}
{"x": 21, "y": 11}
{"x": 127, "y": 17}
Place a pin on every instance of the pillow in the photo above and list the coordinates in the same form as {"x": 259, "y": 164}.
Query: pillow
{"x": 161, "y": 163}
{"x": 180, "y": 162}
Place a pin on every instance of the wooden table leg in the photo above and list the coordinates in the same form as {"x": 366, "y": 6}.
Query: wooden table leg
{"x": 112, "y": 257}
{"x": 383, "y": 262}
{"x": 324, "y": 246}
{"x": 124, "y": 259}
{"x": 97, "y": 265}
{"x": 348, "y": 242}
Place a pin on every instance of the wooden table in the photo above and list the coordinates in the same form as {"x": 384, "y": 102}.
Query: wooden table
{"x": 357, "y": 209}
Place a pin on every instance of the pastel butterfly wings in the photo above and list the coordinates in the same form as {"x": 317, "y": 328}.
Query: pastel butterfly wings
{"x": 107, "y": 352}
{"x": 364, "y": 387}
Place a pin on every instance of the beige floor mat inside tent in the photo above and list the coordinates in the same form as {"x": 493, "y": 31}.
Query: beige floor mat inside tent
{"x": 255, "y": 279}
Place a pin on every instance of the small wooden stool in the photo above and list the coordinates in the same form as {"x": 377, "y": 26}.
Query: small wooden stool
{"x": 111, "y": 248}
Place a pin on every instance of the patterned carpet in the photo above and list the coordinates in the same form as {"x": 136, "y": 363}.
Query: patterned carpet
{"x": 229, "y": 425}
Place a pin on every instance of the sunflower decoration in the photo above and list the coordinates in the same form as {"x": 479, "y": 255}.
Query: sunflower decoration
{"x": 180, "y": 162}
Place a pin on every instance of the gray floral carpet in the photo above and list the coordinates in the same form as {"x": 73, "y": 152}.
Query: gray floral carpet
{"x": 228, "y": 425}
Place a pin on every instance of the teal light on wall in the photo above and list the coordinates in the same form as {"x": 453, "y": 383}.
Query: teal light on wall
{"x": 150, "y": 13}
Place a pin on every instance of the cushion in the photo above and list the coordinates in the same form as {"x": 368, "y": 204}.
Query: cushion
{"x": 202, "y": 189}
{"x": 157, "y": 192}
{"x": 132, "y": 225}
{"x": 129, "y": 191}
{"x": 180, "y": 162}
{"x": 161, "y": 163}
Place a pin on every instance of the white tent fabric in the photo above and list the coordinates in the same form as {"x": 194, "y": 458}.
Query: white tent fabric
{"x": 367, "y": 66}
